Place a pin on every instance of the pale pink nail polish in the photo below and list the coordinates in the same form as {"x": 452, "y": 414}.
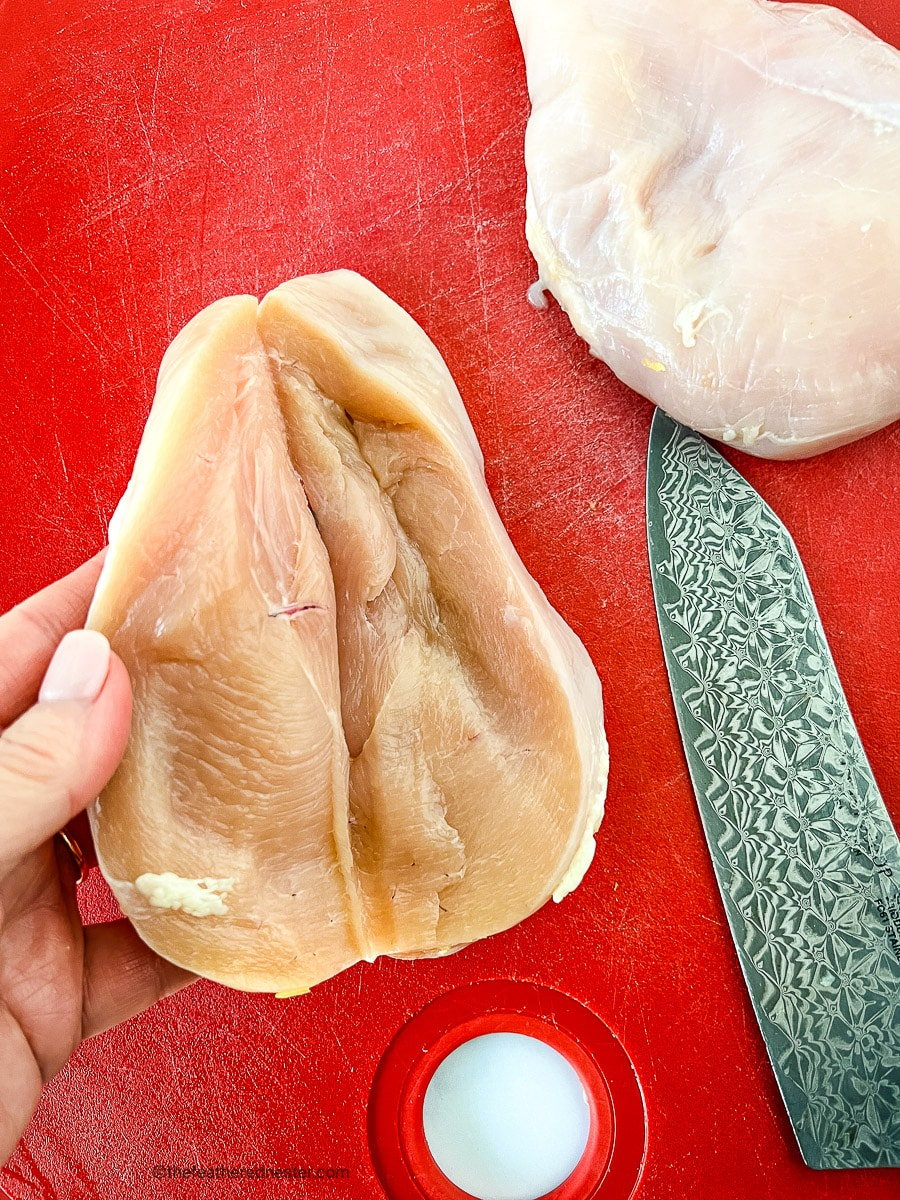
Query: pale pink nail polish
{"x": 79, "y": 667}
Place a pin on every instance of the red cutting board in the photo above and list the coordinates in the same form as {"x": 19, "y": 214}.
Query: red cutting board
{"x": 155, "y": 156}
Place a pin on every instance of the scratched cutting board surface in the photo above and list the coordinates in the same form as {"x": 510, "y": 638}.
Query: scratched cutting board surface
{"x": 156, "y": 156}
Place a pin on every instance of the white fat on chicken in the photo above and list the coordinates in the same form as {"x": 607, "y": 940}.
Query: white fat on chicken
{"x": 199, "y": 897}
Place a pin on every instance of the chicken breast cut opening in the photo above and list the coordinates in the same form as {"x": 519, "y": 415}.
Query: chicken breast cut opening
{"x": 358, "y": 720}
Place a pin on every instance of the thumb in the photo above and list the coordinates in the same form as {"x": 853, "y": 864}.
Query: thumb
{"x": 59, "y": 755}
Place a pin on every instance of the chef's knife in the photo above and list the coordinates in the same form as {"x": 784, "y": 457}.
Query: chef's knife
{"x": 806, "y": 857}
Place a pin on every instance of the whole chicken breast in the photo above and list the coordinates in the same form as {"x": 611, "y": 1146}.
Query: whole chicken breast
{"x": 714, "y": 199}
{"x": 360, "y": 728}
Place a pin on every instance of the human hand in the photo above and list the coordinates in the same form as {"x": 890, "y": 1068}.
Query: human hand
{"x": 62, "y": 739}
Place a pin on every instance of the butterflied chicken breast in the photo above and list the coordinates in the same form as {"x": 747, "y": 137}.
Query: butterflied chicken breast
{"x": 714, "y": 199}
{"x": 360, "y": 728}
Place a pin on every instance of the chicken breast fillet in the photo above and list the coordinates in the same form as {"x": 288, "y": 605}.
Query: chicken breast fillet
{"x": 360, "y": 728}
{"x": 714, "y": 199}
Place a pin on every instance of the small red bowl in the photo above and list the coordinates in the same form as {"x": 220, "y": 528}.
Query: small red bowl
{"x": 611, "y": 1165}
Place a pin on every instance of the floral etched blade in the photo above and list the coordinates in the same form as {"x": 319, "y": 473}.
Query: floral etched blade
{"x": 806, "y": 857}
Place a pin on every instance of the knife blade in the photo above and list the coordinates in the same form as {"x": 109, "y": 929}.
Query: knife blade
{"x": 804, "y": 851}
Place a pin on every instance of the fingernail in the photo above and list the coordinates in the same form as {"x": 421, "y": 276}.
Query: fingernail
{"x": 79, "y": 667}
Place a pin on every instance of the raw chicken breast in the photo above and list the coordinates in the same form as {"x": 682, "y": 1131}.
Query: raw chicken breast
{"x": 232, "y": 802}
{"x": 714, "y": 199}
{"x": 360, "y": 728}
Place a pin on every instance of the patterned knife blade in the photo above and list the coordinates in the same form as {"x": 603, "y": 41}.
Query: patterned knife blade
{"x": 806, "y": 857}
